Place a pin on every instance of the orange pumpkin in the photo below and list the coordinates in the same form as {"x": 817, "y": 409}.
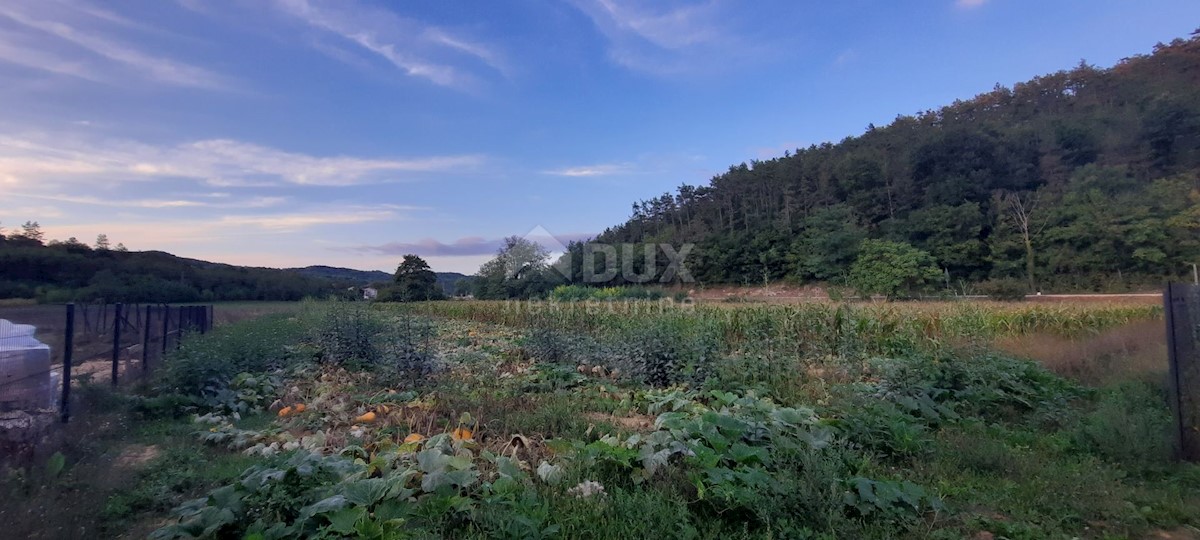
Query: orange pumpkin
{"x": 285, "y": 411}
{"x": 461, "y": 434}
{"x": 299, "y": 407}
{"x": 366, "y": 418}
{"x": 413, "y": 437}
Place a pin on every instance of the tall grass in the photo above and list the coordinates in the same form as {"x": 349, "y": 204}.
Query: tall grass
{"x": 818, "y": 328}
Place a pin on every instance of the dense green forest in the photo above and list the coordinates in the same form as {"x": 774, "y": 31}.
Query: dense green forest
{"x": 1086, "y": 179}
{"x": 59, "y": 271}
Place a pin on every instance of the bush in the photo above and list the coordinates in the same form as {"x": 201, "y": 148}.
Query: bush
{"x": 209, "y": 362}
{"x": 1131, "y": 426}
{"x": 408, "y": 353}
{"x": 348, "y": 334}
{"x": 1004, "y": 289}
{"x": 577, "y": 293}
{"x": 548, "y": 345}
{"x": 669, "y": 351}
{"x": 571, "y": 293}
{"x": 893, "y": 269}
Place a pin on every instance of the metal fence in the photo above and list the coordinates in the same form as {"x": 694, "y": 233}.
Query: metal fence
{"x": 90, "y": 342}
{"x": 1182, "y": 304}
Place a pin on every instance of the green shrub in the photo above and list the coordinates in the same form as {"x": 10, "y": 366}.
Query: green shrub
{"x": 1131, "y": 426}
{"x": 669, "y": 351}
{"x": 407, "y": 350}
{"x": 548, "y": 345}
{"x": 576, "y": 293}
{"x": 570, "y": 293}
{"x": 212, "y": 360}
{"x": 348, "y": 333}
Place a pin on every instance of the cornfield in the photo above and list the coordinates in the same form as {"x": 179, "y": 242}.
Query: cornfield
{"x": 817, "y": 328}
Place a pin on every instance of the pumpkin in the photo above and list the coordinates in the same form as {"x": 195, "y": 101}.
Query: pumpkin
{"x": 413, "y": 437}
{"x": 285, "y": 411}
{"x": 461, "y": 434}
{"x": 299, "y": 408}
{"x": 366, "y": 418}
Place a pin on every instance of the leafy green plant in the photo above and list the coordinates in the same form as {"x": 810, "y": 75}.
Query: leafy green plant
{"x": 214, "y": 359}
{"x": 1130, "y": 425}
{"x": 893, "y": 269}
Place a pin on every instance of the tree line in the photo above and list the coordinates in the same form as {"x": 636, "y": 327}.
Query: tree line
{"x": 1084, "y": 179}
{"x": 70, "y": 270}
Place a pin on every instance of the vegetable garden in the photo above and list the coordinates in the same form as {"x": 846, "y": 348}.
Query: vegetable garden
{"x": 635, "y": 419}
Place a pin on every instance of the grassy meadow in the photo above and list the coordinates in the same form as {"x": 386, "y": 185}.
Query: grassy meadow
{"x": 473, "y": 419}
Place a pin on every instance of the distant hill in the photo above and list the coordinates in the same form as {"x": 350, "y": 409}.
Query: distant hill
{"x": 349, "y": 276}
{"x": 66, "y": 271}
{"x": 344, "y": 275}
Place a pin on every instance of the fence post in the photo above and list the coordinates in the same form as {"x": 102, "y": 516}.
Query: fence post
{"x": 1182, "y": 303}
{"x": 116, "y": 352}
{"x": 68, "y": 347}
{"x": 166, "y": 321}
{"x": 202, "y": 315}
{"x": 146, "y": 339}
{"x": 179, "y": 328}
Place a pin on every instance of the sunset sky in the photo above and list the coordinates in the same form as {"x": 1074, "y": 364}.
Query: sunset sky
{"x": 348, "y": 132}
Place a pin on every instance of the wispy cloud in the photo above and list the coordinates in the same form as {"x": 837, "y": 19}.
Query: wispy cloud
{"x": 67, "y": 28}
{"x": 297, "y": 222}
{"x": 25, "y": 160}
{"x": 417, "y": 49}
{"x": 666, "y": 37}
{"x": 140, "y": 232}
{"x": 224, "y": 202}
{"x": 462, "y": 247}
{"x": 583, "y": 171}
{"x": 473, "y": 245}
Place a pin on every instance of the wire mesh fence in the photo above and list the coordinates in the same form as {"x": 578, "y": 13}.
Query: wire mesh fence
{"x": 46, "y": 349}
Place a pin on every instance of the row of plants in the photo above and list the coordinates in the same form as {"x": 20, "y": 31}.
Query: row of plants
{"x": 578, "y": 293}
{"x": 641, "y": 422}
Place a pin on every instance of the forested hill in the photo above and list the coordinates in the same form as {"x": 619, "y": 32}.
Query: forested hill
{"x": 448, "y": 281}
{"x": 1091, "y": 177}
{"x": 346, "y": 275}
{"x": 64, "y": 271}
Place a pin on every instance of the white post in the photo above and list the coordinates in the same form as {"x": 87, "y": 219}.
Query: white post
{"x": 1195, "y": 275}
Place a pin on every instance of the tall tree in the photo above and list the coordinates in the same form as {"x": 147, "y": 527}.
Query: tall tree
{"x": 415, "y": 281}
{"x": 519, "y": 270}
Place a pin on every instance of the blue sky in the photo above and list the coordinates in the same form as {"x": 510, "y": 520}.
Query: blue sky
{"x": 348, "y": 132}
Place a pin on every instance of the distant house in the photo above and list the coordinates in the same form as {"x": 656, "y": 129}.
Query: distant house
{"x": 370, "y": 293}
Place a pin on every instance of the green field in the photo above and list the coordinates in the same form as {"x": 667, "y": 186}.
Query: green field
{"x": 603, "y": 420}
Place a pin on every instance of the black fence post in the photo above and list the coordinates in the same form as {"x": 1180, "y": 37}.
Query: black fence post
{"x": 179, "y": 328}
{"x": 68, "y": 346}
{"x": 1182, "y": 304}
{"x": 116, "y": 352}
{"x": 166, "y": 320}
{"x": 146, "y": 339}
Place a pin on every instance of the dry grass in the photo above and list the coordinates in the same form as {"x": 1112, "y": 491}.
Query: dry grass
{"x": 1135, "y": 351}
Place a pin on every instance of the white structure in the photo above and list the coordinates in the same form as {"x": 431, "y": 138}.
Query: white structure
{"x": 25, "y": 378}
{"x": 370, "y": 293}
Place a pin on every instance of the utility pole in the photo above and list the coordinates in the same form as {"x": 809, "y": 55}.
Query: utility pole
{"x": 1195, "y": 275}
